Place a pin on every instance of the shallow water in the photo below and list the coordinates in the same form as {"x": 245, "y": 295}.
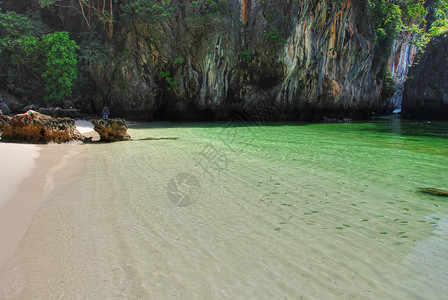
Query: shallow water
{"x": 243, "y": 211}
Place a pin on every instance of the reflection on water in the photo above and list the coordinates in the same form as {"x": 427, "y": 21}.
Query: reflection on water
{"x": 231, "y": 211}
{"x": 403, "y": 127}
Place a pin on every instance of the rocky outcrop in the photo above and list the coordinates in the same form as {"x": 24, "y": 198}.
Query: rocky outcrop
{"x": 111, "y": 130}
{"x": 4, "y": 122}
{"x": 305, "y": 59}
{"x": 35, "y": 128}
{"x": 11, "y": 104}
{"x": 426, "y": 90}
{"x": 57, "y": 112}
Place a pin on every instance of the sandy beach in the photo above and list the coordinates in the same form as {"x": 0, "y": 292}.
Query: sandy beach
{"x": 26, "y": 174}
{"x": 280, "y": 220}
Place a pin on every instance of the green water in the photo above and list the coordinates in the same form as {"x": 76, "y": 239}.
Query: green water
{"x": 358, "y": 181}
{"x": 246, "y": 211}
{"x": 400, "y": 154}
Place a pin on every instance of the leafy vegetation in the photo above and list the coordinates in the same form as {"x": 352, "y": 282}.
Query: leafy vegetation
{"x": 60, "y": 69}
{"x": 205, "y": 16}
{"x": 437, "y": 17}
{"x": 146, "y": 11}
{"x": 36, "y": 64}
{"x": 391, "y": 17}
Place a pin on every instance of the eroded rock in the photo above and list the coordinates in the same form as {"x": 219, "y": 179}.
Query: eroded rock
{"x": 14, "y": 104}
{"x": 57, "y": 112}
{"x": 426, "y": 90}
{"x": 4, "y": 108}
{"x": 4, "y": 121}
{"x": 36, "y": 128}
{"x": 111, "y": 130}
{"x": 322, "y": 65}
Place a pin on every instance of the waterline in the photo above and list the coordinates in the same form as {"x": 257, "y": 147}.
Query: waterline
{"x": 284, "y": 211}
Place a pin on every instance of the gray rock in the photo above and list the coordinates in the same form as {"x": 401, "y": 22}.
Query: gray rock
{"x": 57, "y": 112}
{"x": 323, "y": 65}
{"x": 426, "y": 90}
{"x": 27, "y": 108}
{"x": 5, "y": 108}
{"x": 4, "y": 122}
{"x": 68, "y": 104}
{"x": 14, "y": 103}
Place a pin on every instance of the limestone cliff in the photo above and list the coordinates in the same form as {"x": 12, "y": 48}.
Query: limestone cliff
{"x": 403, "y": 55}
{"x": 426, "y": 90}
{"x": 299, "y": 60}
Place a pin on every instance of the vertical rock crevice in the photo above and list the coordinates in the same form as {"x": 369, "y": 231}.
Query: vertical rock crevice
{"x": 308, "y": 58}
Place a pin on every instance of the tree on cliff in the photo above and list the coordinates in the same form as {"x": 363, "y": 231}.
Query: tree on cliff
{"x": 60, "y": 70}
{"x": 34, "y": 63}
{"x": 101, "y": 10}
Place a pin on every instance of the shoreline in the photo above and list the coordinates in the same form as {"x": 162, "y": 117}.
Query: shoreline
{"x": 27, "y": 171}
{"x": 18, "y": 161}
{"x": 28, "y": 189}
{"x": 18, "y": 211}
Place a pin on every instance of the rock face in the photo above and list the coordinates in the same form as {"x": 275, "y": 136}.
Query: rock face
{"x": 4, "y": 122}
{"x": 403, "y": 55}
{"x": 57, "y": 112}
{"x": 426, "y": 90}
{"x": 111, "y": 130}
{"x": 35, "y": 128}
{"x": 10, "y": 104}
{"x": 305, "y": 59}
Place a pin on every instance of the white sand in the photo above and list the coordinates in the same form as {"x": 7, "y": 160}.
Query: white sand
{"x": 17, "y": 162}
{"x": 84, "y": 126}
{"x": 86, "y": 129}
{"x": 27, "y": 176}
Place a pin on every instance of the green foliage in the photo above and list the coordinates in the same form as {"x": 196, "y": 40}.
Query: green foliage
{"x": 14, "y": 25}
{"x": 168, "y": 79}
{"x": 179, "y": 60}
{"x": 437, "y": 23}
{"x": 146, "y": 11}
{"x": 207, "y": 15}
{"x": 22, "y": 71}
{"x": 60, "y": 69}
{"x": 92, "y": 50}
{"x": 387, "y": 21}
{"x": 394, "y": 16}
{"x": 439, "y": 27}
{"x": 19, "y": 55}
{"x": 437, "y": 18}
{"x": 247, "y": 57}
{"x": 34, "y": 64}
{"x": 277, "y": 36}
{"x": 278, "y": 22}
{"x": 437, "y": 10}
{"x": 46, "y": 3}
{"x": 413, "y": 11}
{"x": 390, "y": 17}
